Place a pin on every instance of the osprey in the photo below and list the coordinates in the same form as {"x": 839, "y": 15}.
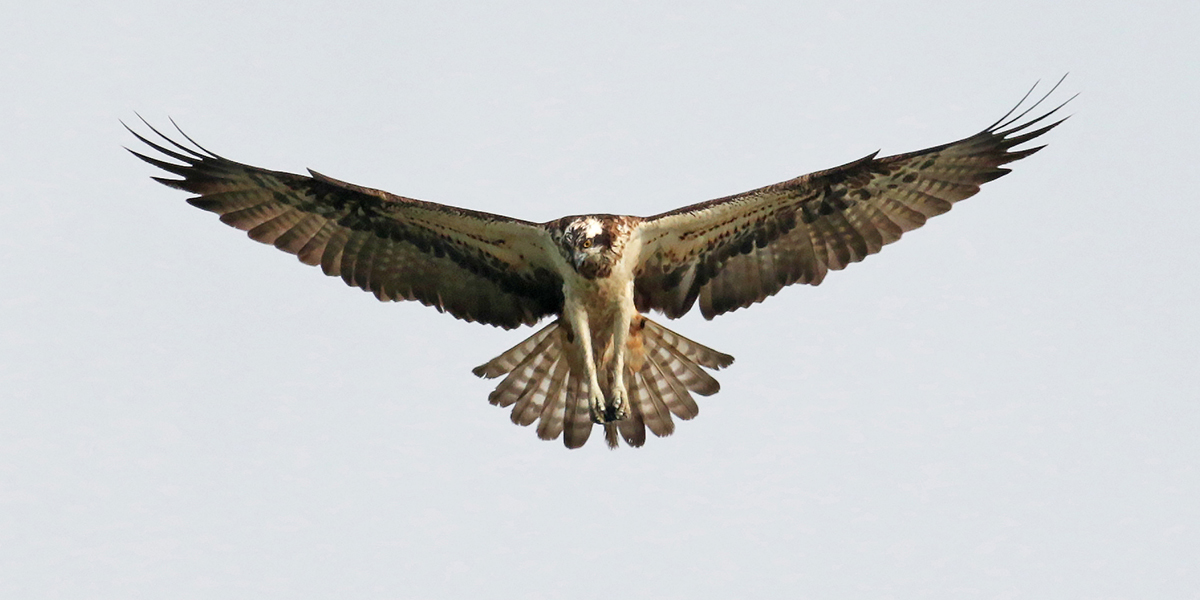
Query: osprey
{"x": 601, "y": 360}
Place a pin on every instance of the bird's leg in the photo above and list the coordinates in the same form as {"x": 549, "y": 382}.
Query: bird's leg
{"x": 618, "y": 408}
{"x": 578, "y": 317}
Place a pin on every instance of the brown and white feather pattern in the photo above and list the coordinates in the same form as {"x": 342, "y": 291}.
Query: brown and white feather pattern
{"x": 540, "y": 384}
{"x": 476, "y": 266}
{"x": 732, "y": 252}
{"x": 727, "y": 254}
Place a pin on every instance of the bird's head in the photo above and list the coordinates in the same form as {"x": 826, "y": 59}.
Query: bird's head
{"x": 588, "y": 245}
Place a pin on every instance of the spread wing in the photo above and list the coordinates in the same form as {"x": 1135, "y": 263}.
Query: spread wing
{"x": 732, "y": 252}
{"x": 473, "y": 265}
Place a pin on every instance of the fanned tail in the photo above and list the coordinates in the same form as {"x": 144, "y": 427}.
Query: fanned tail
{"x": 514, "y": 356}
{"x": 662, "y": 371}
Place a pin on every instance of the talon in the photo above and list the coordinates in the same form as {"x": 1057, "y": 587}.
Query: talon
{"x": 619, "y": 409}
{"x": 598, "y": 408}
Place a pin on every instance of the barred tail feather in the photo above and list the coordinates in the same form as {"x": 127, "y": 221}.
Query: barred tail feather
{"x": 697, "y": 353}
{"x": 672, "y": 391}
{"x": 514, "y": 356}
{"x": 633, "y": 429}
{"x": 530, "y": 406}
{"x": 662, "y": 371}
{"x": 554, "y": 409}
{"x": 682, "y": 366}
{"x": 526, "y": 376}
{"x": 578, "y": 424}
{"x": 657, "y": 415}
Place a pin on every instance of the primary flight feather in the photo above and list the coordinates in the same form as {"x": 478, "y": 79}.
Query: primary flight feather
{"x": 601, "y": 360}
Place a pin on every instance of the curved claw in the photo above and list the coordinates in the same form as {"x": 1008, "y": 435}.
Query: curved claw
{"x": 618, "y": 409}
{"x": 598, "y": 407}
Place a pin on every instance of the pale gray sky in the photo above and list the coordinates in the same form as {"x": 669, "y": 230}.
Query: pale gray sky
{"x": 1001, "y": 405}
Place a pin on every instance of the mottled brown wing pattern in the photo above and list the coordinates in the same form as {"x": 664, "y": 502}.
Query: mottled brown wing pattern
{"x": 732, "y": 252}
{"x": 475, "y": 266}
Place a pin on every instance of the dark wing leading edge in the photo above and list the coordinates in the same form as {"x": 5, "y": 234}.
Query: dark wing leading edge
{"x": 732, "y": 252}
{"x": 473, "y": 265}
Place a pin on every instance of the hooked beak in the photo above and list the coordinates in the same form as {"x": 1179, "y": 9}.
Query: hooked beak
{"x": 592, "y": 266}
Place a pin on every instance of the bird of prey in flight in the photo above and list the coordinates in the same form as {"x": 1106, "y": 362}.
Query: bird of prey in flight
{"x": 600, "y": 360}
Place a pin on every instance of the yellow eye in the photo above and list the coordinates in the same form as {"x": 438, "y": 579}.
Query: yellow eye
{"x": 587, "y": 243}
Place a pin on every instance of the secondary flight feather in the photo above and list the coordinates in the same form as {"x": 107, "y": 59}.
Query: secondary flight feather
{"x": 601, "y": 360}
